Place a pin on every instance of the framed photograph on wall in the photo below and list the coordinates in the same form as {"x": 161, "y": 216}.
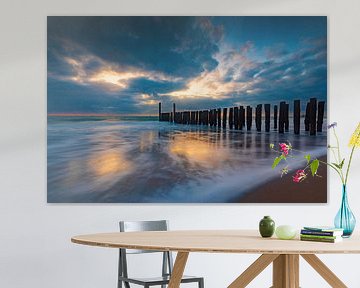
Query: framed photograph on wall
{"x": 183, "y": 109}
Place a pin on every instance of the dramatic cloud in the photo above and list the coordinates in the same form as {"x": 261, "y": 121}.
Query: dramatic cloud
{"x": 128, "y": 64}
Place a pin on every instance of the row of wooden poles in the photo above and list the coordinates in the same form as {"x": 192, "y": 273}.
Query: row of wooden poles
{"x": 241, "y": 117}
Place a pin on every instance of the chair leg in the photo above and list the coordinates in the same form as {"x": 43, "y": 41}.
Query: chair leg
{"x": 201, "y": 283}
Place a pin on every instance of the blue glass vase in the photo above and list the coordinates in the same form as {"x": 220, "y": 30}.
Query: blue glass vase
{"x": 345, "y": 219}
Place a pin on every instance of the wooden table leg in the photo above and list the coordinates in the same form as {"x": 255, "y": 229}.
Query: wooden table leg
{"x": 286, "y": 271}
{"x": 324, "y": 271}
{"x": 178, "y": 269}
{"x": 253, "y": 270}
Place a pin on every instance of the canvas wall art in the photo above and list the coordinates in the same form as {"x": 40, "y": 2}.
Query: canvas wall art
{"x": 184, "y": 109}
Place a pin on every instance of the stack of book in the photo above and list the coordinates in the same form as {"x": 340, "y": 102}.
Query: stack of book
{"x": 321, "y": 234}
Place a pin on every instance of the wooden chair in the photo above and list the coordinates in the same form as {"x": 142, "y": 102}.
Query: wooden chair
{"x": 167, "y": 265}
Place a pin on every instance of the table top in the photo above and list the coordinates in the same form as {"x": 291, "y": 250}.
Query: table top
{"x": 216, "y": 241}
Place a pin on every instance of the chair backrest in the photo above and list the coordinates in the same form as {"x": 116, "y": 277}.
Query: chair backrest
{"x": 138, "y": 226}
{"x": 133, "y": 226}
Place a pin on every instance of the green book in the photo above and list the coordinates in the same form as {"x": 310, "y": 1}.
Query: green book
{"x": 319, "y": 236}
{"x": 324, "y": 240}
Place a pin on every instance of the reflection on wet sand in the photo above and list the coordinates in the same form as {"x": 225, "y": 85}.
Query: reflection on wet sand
{"x": 146, "y": 140}
{"x": 193, "y": 148}
{"x": 109, "y": 162}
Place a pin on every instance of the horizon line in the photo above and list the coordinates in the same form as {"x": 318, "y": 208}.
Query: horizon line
{"x": 64, "y": 114}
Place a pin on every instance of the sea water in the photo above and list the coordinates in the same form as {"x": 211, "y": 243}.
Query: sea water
{"x": 108, "y": 159}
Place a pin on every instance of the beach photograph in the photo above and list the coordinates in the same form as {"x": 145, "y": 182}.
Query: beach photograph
{"x": 180, "y": 109}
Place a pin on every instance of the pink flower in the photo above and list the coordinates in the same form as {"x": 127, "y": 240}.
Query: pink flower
{"x": 299, "y": 176}
{"x": 284, "y": 148}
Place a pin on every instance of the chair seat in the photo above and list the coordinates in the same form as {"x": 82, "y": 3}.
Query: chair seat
{"x": 158, "y": 280}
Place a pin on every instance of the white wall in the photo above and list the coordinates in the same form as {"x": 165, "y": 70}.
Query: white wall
{"x": 35, "y": 248}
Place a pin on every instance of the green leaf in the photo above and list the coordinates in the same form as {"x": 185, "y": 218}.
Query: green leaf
{"x": 336, "y": 165}
{"x": 276, "y": 161}
{"x": 342, "y": 163}
{"x": 308, "y": 158}
{"x": 339, "y": 166}
{"x": 272, "y": 146}
{"x": 314, "y": 167}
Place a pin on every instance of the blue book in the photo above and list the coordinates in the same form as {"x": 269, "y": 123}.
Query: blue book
{"x": 322, "y": 231}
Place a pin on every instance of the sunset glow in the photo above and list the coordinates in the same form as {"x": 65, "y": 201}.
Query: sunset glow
{"x": 199, "y": 62}
{"x": 119, "y": 79}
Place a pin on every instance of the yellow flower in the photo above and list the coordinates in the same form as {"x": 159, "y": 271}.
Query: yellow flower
{"x": 355, "y": 138}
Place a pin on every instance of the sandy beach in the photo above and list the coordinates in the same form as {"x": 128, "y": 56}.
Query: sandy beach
{"x": 284, "y": 190}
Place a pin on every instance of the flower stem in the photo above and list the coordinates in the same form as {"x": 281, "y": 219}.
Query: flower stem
{"x": 337, "y": 143}
{"x": 350, "y": 159}
{"x": 337, "y": 170}
{"x": 348, "y": 167}
{"x": 339, "y": 156}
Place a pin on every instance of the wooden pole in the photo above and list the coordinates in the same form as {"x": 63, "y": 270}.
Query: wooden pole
{"x": 321, "y": 112}
{"x": 258, "y": 112}
{"x": 174, "y": 110}
{"x": 224, "y": 119}
{"x": 159, "y": 111}
{"x": 215, "y": 117}
{"x": 275, "y": 117}
{"x": 219, "y": 117}
{"x": 287, "y": 118}
{"x": 312, "y": 115}
{"x": 231, "y": 117}
{"x": 248, "y": 118}
{"x": 236, "y": 117}
{"x": 241, "y": 117}
{"x": 307, "y": 117}
{"x": 267, "y": 117}
{"x": 297, "y": 116}
{"x": 282, "y": 117}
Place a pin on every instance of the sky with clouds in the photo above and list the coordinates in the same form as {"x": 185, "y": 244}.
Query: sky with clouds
{"x": 126, "y": 65}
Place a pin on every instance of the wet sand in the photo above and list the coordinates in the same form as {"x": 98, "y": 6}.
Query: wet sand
{"x": 284, "y": 190}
